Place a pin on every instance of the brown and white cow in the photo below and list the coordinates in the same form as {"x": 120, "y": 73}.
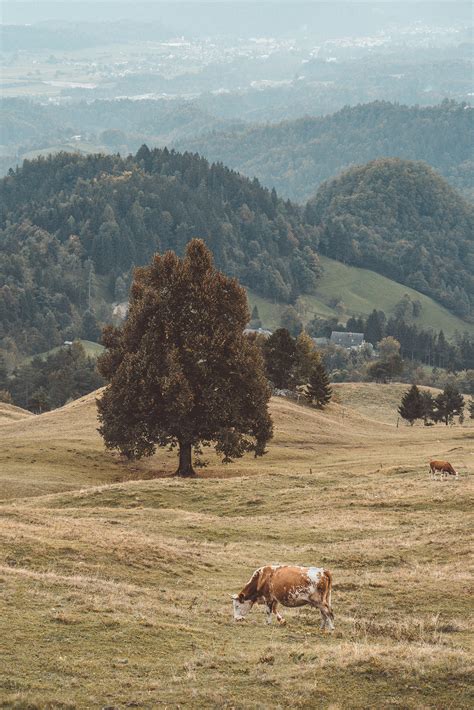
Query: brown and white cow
{"x": 442, "y": 467}
{"x": 290, "y": 586}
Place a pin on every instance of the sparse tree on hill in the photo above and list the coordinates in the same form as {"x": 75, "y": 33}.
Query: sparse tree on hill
{"x": 448, "y": 404}
{"x": 255, "y": 321}
{"x": 319, "y": 390}
{"x": 411, "y": 407}
{"x": 181, "y": 372}
{"x": 280, "y": 356}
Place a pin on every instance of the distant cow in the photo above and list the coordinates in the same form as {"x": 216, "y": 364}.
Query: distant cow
{"x": 290, "y": 586}
{"x": 442, "y": 467}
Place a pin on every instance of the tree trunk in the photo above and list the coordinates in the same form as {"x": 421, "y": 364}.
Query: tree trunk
{"x": 185, "y": 467}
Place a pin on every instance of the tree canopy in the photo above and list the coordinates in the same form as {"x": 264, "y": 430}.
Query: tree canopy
{"x": 181, "y": 371}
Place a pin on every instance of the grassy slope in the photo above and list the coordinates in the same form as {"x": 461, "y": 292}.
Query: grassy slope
{"x": 115, "y": 591}
{"x": 361, "y": 291}
{"x": 92, "y": 350}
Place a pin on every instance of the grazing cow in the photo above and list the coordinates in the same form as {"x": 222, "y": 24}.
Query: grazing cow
{"x": 289, "y": 586}
{"x": 442, "y": 467}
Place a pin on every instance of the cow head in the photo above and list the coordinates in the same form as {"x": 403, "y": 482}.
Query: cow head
{"x": 241, "y": 606}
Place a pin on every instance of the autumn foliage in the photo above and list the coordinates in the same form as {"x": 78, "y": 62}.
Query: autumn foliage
{"x": 181, "y": 372}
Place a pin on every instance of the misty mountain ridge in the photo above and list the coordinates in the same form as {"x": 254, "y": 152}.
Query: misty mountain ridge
{"x": 296, "y": 156}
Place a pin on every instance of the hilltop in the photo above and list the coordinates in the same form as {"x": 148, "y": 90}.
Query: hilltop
{"x": 117, "y": 589}
{"x": 73, "y": 228}
{"x": 296, "y": 156}
{"x": 401, "y": 219}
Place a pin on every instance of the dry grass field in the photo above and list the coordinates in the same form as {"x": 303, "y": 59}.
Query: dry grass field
{"x": 115, "y": 579}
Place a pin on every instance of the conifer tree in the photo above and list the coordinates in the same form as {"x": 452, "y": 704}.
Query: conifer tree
{"x": 181, "y": 372}
{"x": 255, "y": 321}
{"x": 448, "y": 404}
{"x": 411, "y": 407}
{"x": 319, "y": 390}
{"x": 306, "y": 358}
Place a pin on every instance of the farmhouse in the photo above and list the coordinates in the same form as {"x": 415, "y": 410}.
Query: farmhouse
{"x": 351, "y": 341}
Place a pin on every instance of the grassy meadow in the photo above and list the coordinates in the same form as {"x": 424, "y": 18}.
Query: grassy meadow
{"x": 116, "y": 578}
{"x": 359, "y": 289}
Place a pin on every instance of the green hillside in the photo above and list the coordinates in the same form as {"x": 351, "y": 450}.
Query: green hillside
{"x": 91, "y": 350}
{"x": 361, "y": 290}
{"x": 400, "y": 219}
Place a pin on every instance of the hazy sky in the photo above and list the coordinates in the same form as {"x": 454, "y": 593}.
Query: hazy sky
{"x": 224, "y": 14}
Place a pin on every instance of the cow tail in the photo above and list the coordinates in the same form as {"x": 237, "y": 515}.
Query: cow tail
{"x": 327, "y": 595}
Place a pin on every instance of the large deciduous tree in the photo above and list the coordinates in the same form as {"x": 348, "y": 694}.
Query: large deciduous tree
{"x": 181, "y": 372}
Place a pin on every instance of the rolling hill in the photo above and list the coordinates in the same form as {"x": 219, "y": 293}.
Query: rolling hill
{"x": 401, "y": 219}
{"x": 73, "y": 227}
{"x": 116, "y": 578}
{"x": 295, "y": 157}
{"x": 360, "y": 291}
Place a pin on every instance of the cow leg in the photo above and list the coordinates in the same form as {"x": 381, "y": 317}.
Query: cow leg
{"x": 279, "y": 617}
{"x": 268, "y": 612}
{"x": 326, "y": 614}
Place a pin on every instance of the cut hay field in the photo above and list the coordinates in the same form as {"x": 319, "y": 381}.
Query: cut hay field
{"x": 115, "y": 579}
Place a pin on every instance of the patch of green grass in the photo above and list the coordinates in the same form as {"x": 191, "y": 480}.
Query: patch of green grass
{"x": 92, "y": 350}
{"x": 360, "y": 290}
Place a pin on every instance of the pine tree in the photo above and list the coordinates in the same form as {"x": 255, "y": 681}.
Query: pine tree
{"x": 411, "y": 407}
{"x": 448, "y": 404}
{"x": 280, "y": 356}
{"x": 255, "y": 321}
{"x": 306, "y": 358}
{"x": 319, "y": 390}
{"x": 181, "y": 371}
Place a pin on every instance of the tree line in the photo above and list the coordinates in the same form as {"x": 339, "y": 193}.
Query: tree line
{"x": 297, "y": 156}
{"x": 421, "y": 404}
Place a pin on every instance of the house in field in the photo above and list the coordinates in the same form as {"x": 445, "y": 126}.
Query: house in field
{"x": 258, "y": 331}
{"x": 350, "y": 341}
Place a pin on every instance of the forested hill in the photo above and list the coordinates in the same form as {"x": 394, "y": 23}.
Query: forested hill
{"x": 71, "y": 228}
{"x": 296, "y": 156}
{"x": 401, "y": 219}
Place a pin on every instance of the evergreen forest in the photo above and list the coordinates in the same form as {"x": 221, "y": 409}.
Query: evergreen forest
{"x": 72, "y": 228}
